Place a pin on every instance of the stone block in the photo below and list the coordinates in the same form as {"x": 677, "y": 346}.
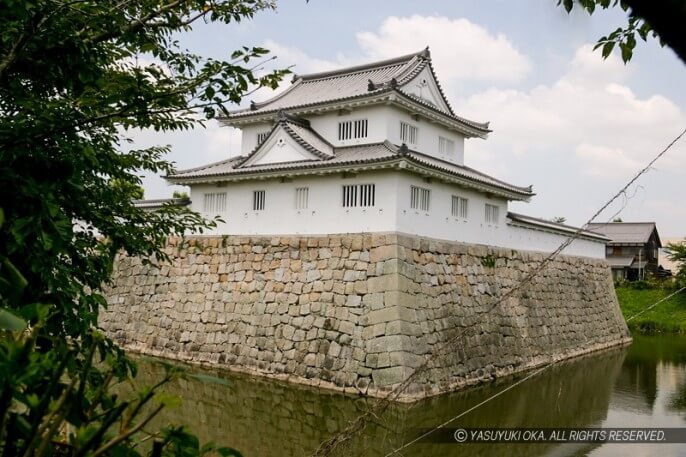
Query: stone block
{"x": 390, "y": 376}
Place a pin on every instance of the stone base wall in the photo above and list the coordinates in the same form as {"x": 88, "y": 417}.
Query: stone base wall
{"x": 361, "y": 312}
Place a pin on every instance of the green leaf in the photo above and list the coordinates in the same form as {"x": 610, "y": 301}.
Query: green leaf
{"x": 607, "y": 49}
{"x": 16, "y": 280}
{"x": 626, "y": 52}
{"x": 9, "y": 321}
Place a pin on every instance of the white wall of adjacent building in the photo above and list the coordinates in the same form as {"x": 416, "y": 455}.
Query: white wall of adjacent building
{"x": 284, "y": 213}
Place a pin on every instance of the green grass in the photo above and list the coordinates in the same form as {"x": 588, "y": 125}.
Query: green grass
{"x": 668, "y": 316}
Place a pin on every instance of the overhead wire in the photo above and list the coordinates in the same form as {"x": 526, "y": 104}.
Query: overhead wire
{"x": 327, "y": 447}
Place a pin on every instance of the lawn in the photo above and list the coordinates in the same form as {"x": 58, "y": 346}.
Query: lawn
{"x": 668, "y": 316}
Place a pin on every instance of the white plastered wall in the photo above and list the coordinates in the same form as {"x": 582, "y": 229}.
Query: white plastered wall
{"x": 391, "y": 212}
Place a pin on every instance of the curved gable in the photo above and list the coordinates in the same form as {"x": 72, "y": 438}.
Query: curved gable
{"x": 279, "y": 147}
{"x": 425, "y": 87}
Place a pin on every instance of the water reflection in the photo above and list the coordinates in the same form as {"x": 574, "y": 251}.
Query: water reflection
{"x": 642, "y": 386}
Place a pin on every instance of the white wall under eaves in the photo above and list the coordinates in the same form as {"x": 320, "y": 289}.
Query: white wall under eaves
{"x": 390, "y": 213}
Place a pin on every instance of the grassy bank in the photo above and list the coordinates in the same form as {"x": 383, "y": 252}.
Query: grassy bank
{"x": 668, "y": 316}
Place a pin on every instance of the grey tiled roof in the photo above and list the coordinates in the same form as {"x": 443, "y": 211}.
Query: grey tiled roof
{"x": 619, "y": 261}
{"x": 355, "y": 82}
{"x": 368, "y": 154}
{"x": 625, "y": 232}
{"x": 555, "y": 226}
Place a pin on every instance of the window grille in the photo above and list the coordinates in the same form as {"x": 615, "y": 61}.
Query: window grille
{"x": 349, "y": 196}
{"x": 301, "y": 197}
{"x": 258, "y": 197}
{"x": 348, "y": 130}
{"x": 214, "y": 203}
{"x": 446, "y": 146}
{"x": 220, "y": 202}
{"x": 408, "y": 133}
{"x": 359, "y": 195}
{"x": 420, "y": 198}
{"x": 458, "y": 207}
{"x": 492, "y": 214}
{"x": 367, "y": 194}
{"x": 261, "y": 137}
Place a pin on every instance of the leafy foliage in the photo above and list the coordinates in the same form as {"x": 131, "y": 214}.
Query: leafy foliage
{"x": 75, "y": 77}
{"x": 180, "y": 195}
{"x": 677, "y": 253}
{"x": 623, "y": 38}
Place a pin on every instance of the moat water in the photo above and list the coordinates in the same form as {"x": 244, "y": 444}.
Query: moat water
{"x": 643, "y": 385}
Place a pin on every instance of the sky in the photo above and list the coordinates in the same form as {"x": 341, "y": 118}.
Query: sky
{"x": 573, "y": 125}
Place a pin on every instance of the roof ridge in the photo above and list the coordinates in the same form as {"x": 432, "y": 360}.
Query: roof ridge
{"x": 212, "y": 164}
{"x": 528, "y": 189}
{"x": 256, "y": 105}
{"x": 364, "y": 67}
{"x": 623, "y": 223}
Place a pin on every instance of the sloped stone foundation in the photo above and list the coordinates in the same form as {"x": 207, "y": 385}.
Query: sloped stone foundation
{"x": 362, "y": 312}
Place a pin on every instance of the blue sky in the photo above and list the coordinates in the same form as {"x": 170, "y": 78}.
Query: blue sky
{"x": 564, "y": 120}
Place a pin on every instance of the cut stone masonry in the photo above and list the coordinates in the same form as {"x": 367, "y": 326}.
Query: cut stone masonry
{"x": 361, "y": 312}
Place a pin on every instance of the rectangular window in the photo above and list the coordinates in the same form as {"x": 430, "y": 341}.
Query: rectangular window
{"x": 348, "y": 130}
{"x": 220, "y": 202}
{"x": 349, "y": 196}
{"x": 420, "y": 198}
{"x": 359, "y": 195}
{"x": 258, "y": 200}
{"x": 261, "y": 137}
{"x": 446, "y": 146}
{"x": 208, "y": 203}
{"x": 367, "y": 192}
{"x": 301, "y": 197}
{"x": 214, "y": 203}
{"x": 458, "y": 207}
{"x": 408, "y": 133}
{"x": 492, "y": 214}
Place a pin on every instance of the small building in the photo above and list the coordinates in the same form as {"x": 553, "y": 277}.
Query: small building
{"x": 633, "y": 250}
{"x": 367, "y": 149}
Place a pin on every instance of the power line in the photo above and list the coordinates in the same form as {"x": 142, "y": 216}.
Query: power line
{"x": 328, "y": 446}
{"x": 656, "y": 303}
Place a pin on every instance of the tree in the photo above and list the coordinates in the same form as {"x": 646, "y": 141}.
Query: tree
{"x": 617, "y": 219}
{"x": 181, "y": 195}
{"x": 677, "y": 253}
{"x": 663, "y": 20}
{"x": 135, "y": 190}
{"x": 75, "y": 77}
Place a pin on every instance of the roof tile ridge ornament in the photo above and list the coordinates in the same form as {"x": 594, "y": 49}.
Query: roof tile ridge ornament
{"x": 253, "y": 105}
{"x": 426, "y": 52}
{"x": 284, "y": 116}
{"x": 371, "y": 86}
{"x": 403, "y": 150}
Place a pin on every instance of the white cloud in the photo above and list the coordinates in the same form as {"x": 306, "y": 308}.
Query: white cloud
{"x": 461, "y": 50}
{"x": 301, "y": 63}
{"x": 598, "y": 121}
{"x": 603, "y": 161}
